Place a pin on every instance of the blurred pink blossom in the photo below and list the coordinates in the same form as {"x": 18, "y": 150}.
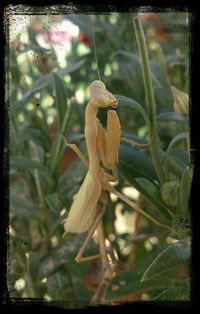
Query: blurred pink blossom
{"x": 57, "y": 37}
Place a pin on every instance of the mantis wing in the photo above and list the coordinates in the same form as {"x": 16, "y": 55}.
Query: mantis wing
{"x": 83, "y": 210}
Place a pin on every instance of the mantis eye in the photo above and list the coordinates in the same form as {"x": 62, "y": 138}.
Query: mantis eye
{"x": 113, "y": 100}
{"x": 114, "y": 104}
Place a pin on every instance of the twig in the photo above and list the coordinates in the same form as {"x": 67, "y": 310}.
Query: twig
{"x": 143, "y": 237}
{"x": 132, "y": 142}
{"x": 132, "y": 256}
{"x": 102, "y": 247}
{"x": 98, "y": 296}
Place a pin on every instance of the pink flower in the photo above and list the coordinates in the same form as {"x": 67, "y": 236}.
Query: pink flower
{"x": 58, "y": 37}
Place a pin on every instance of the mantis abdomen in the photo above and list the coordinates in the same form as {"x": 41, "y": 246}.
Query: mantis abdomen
{"x": 83, "y": 211}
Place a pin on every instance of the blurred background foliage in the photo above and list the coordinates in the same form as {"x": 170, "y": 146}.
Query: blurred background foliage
{"x": 50, "y": 66}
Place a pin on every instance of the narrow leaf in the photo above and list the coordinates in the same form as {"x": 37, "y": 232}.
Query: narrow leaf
{"x": 185, "y": 190}
{"x": 132, "y": 104}
{"x": 176, "y": 139}
{"x": 174, "y": 294}
{"x": 60, "y": 286}
{"x": 45, "y": 80}
{"x": 130, "y": 282}
{"x": 139, "y": 164}
{"x": 171, "y": 116}
{"x": 22, "y": 207}
{"x": 24, "y": 163}
{"x": 135, "y": 138}
{"x": 53, "y": 202}
{"x": 153, "y": 194}
{"x": 171, "y": 256}
{"x": 61, "y": 97}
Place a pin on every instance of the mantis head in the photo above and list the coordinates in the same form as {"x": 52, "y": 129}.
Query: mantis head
{"x": 100, "y": 96}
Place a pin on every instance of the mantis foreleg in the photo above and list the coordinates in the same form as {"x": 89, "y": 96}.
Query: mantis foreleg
{"x": 75, "y": 148}
{"x": 108, "y": 141}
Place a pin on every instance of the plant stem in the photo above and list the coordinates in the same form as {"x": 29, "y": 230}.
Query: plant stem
{"x": 41, "y": 196}
{"x": 102, "y": 246}
{"x": 34, "y": 156}
{"x": 132, "y": 256}
{"x": 151, "y": 106}
{"x": 143, "y": 237}
{"x": 28, "y": 279}
{"x": 59, "y": 142}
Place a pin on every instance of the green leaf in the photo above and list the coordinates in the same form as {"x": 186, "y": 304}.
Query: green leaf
{"x": 129, "y": 55}
{"x": 65, "y": 254}
{"x": 137, "y": 169}
{"x": 153, "y": 194}
{"x": 70, "y": 181}
{"x": 45, "y": 80}
{"x": 171, "y": 116}
{"x": 174, "y": 167}
{"x": 35, "y": 48}
{"x": 185, "y": 191}
{"x": 181, "y": 293}
{"x": 182, "y": 220}
{"x": 123, "y": 284}
{"x": 180, "y": 156}
{"x": 22, "y": 207}
{"x": 170, "y": 193}
{"x": 164, "y": 98}
{"x": 24, "y": 163}
{"x": 132, "y": 104}
{"x": 35, "y": 134}
{"x": 20, "y": 201}
{"x": 171, "y": 256}
{"x": 14, "y": 68}
{"x": 176, "y": 139}
{"x": 133, "y": 163}
{"x": 135, "y": 138}
{"x": 59, "y": 286}
{"x": 22, "y": 242}
{"x": 61, "y": 97}
{"x": 130, "y": 282}
{"x": 76, "y": 137}
{"x": 34, "y": 264}
{"x": 53, "y": 202}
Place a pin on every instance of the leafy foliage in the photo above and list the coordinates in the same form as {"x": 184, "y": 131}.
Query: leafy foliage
{"x": 48, "y": 91}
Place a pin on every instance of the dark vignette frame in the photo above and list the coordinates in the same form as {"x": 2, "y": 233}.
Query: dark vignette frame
{"x": 195, "y": 155}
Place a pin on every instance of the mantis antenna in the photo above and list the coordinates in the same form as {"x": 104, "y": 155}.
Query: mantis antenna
{"x": 95, "y": 52}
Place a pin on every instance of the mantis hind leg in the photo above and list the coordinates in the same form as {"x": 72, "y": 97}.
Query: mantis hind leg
{"x": 79, "y": 258}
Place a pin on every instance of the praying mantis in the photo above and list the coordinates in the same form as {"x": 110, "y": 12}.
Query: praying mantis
{"x": 89, "y": 205}
{"x": 103, "y": 145}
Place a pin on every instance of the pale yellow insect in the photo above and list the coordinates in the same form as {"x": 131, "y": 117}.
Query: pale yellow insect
{"x": 103, "y": 145}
